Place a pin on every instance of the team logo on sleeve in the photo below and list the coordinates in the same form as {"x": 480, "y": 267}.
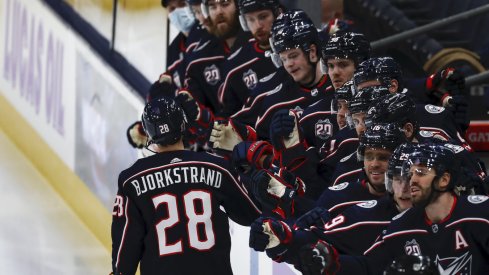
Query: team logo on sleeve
{"x": 368, "y": 204}
{"x": 455, "y": 148}
{"x": 250, "y": 79}
{"x": 412, "y": 247}
{"x": 339, "y": 186}
{"x": 324, "y": 129}
{"x": 212, "y": 74}
{"x": 476, "y": 199}
{"x": 455, "y": 265}
{"x": 432, "y": 109}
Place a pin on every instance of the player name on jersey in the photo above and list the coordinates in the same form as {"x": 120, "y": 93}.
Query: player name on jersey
{"x": 176, "y": 175}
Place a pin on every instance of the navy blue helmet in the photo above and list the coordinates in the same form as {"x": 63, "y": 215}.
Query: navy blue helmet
{"x": 381, "y": 136}
{"x": 344, "y": 92}
{"x": 434, "y": 156}
{"x": 383, "y": 69}
{"x": 163, "y": 121}
{"x": 364, "y": 98}
{"x": 292, "y": 30}
{"x": 396, "y": 161}
{"x": 412, "y": 265}
{"x": 393, "y": 108}
{"x": 246, "y": 6}
{"x": 346, "y": 45}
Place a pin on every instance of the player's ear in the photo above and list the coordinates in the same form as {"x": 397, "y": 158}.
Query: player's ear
{"x": 313, "y": 53}
{"x": 394, "y": 85}
{"x": 444, "y": 180}
{"x": 409, "y": 130}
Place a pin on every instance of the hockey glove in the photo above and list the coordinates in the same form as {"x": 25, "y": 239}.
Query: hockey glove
{"x": 282, "y": 125}
{"x": 189, "y": 105}
{"x": 276, "y": 191}
{"x": 251, "y": 155}
{"x": 227, "y": 134}
{"x": 318, "y": 217}
{"x": 271, "y": 235}
{"x": 320, "y": 258}
{"x": 136, "y": 135}
{"x": 448, "y": 81}
{"x": 287, "y": 139}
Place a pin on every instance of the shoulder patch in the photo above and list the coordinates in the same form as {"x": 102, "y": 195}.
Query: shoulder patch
{"x": 476, "y": 199}
{"x": 236, "y": 52}
{"x": 175, "y": 160}
{"x": 426, "y": 134}
{"x": 432, "y": 109}
{"x": 268, "y": 77}
{"x": 339, "y": 186}
{"x": 277, "y": 89}
{"x": 400, "y": 214}
{"x": 347, "y": 157}
{"x": 455, "y": 148}
{"x": 368, "y": 204}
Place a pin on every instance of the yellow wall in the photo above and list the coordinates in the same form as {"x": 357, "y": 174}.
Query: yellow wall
{"x": 70, "y": 187}
{"x": 124, "y": 4}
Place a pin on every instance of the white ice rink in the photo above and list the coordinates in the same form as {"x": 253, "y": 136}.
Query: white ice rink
{"x": 39, "y": 233}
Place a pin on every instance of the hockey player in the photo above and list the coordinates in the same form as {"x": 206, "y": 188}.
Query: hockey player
{"x": 448, "y": 228}
{"x": 296, "y": 45}
{"x": 203, "y": 74}
{"x": 339, "y": 58}
{"x": 376, "y": 146}
{"x": 435, "y": 119}
{"x": 252, "y": 62}
{"x": 349, "y": 167}
{"x": 167, "y": 212}
{"x": 367, "y": 219}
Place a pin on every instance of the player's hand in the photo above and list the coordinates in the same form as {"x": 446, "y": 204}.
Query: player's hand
{"x": 276, "y": 190}
{"x": 252, "y": 155}
{"x": 448, "y": 81}
{"x": 227, "y": 134}
{"x": 318, "y": 258}
{"x": 271, "y": 235}
{"x": 189, "y": 105}
{"x": 136, "y": 135}
{"x": 284, "y": 122}
{"x": 318, "y": 216}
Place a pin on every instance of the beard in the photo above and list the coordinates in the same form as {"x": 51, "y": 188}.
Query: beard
{"x": 225, "y": 28}
{"x": 427, "y": 196}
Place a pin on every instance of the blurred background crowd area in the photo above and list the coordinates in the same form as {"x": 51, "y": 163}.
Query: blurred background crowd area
{"x": 140, "y": 31}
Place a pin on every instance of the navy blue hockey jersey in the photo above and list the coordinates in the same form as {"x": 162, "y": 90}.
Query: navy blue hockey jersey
{"x": 459, "y": 244}
{"x": 167, "y": 215}
{"x": 243, "y": 71}
{"x": 203, "y": 74}
{"x": 342, "y": 147}
{"x": 318, "y": 122}
{"x": 337, "y": 198}
{"x": 367, "y": 219}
